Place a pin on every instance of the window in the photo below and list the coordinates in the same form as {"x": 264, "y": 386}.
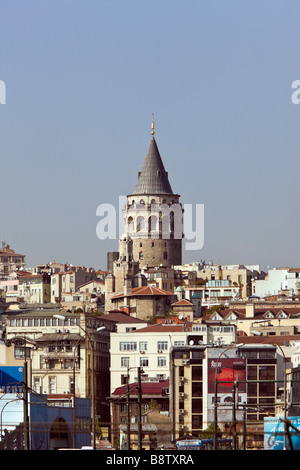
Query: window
{"x": 179, "y": 343}
{"x": 162, "y": 345}
{"x": 124, "y": 361}
{"x": 128, "y": 346}
{"x": 161, "y": 361}
{"x": 140, "y": 224}
{"x": 143, "y": 345}
{"x": 52, "y": 385}
{"x": 37, "y": 384}
{"x": 144, "y": 362}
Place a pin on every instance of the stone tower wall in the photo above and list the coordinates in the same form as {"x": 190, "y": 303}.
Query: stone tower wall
{"x": 153, "y": 252}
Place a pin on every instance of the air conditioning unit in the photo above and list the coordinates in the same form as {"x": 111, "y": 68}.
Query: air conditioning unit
{"x": 181, "y": 379}
{"x": 185, "y": 362}
{"x": 181, "y": 426}
{"x": 181, "y": 395}
{"x": 142, "y": 352}
{"x": 181, "y": 411}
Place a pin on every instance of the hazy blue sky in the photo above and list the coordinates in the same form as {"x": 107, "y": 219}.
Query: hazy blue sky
{"x": 83, "y": 78}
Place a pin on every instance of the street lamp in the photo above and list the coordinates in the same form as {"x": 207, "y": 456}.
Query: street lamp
{"x": 62, "y": 317}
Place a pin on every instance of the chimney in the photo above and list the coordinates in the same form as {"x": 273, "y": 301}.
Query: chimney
{"x": 127, "y": 286}
{"x": 250, "y": 310}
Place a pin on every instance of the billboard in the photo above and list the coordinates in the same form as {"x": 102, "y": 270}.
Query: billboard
{"x": 11, "y": 379}
{"x": 226, "y": 371}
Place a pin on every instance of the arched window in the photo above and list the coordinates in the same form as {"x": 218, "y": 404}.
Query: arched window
{"x": 152, "y": 223}
{"x": 141, "y": 255}
{"x": 140, "y": 224}
{"x": 165, "y": 255}
{"x": 130, "y": 223}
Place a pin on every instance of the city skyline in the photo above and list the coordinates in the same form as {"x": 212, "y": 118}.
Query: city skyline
{"x": 82, "y": 82}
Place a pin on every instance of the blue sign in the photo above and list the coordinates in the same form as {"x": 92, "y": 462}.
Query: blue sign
{"x": 274, "y": 434}
{"x": 11, "y": 379}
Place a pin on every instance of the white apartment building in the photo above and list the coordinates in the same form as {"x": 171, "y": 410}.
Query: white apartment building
{"x": 277, "y": 280}
{"x": 150, "y": 348}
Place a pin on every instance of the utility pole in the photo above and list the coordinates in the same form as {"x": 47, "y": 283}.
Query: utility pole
{"x": 234, "y": 414}
{"x": 128, "y": 412}
{"x": 139, "y": 409}
{"x": 25, "y": 408}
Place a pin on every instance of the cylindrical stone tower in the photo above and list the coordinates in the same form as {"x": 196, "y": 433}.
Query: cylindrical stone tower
{"x": 153, "y": 215}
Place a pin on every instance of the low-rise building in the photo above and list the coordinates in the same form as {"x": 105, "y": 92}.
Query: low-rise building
{"x": 144, "y": 302}
{"x": 10, "y": 261}
{"x": 69, "y": 353}
{"x": 69, "y": 281}
{"x": 155, "y": 419}
{"x": 278, "y": 281}
{"x": 34, "y": 288}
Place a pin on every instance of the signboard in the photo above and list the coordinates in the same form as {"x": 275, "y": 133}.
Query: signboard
{"x": 274, "y": 434}
{"x": 11, "y": 379}
{"x": 226, "y": 371}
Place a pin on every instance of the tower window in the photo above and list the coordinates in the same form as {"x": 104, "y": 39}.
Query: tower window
{"x": 130, "y": 224}
{"x": 140, "y": 224}
{"x": 141, "y": 255}
{"x": 165, "y": 255}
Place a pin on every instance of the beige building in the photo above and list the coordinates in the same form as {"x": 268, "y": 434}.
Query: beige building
{"x": 238, "y": 275}
{"x": 67, "y": 282}
{"x": 10, "y": 261}
{"x": 63, "y": 346}
{"x": 145, "y": 302}
{"x": 34, "y": 288}
{"x": 260, "y": 318}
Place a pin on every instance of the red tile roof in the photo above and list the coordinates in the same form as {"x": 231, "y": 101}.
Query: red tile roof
{"x": 121, "y": 317}
{"x": 162, "y": 328}
{"x": 142, "y": 291}
{"x": 184, "y": 302}
{"x": 280, "y": 340}
{"x": 258, "y": 312}
{"x": 148, "y": 388}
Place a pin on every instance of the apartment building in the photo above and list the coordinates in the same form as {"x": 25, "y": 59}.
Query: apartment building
{"x": 64, "y": 349}
{"x": 150, "y": 348}
{"x": 10, "y": 261}
{"x": 68, "y": 282}
{"x": 278, "y": 281}
{"x": 260, "y": 318}
{"x": 34, "y": 288}
{"x": 201, "y": 387}
{"x": 238, "y": 275}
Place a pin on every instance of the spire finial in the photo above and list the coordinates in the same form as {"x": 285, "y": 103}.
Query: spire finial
{"x": 152, "y": 125}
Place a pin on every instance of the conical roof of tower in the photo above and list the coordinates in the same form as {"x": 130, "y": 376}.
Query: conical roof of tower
{"x": 153, "y": 179}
